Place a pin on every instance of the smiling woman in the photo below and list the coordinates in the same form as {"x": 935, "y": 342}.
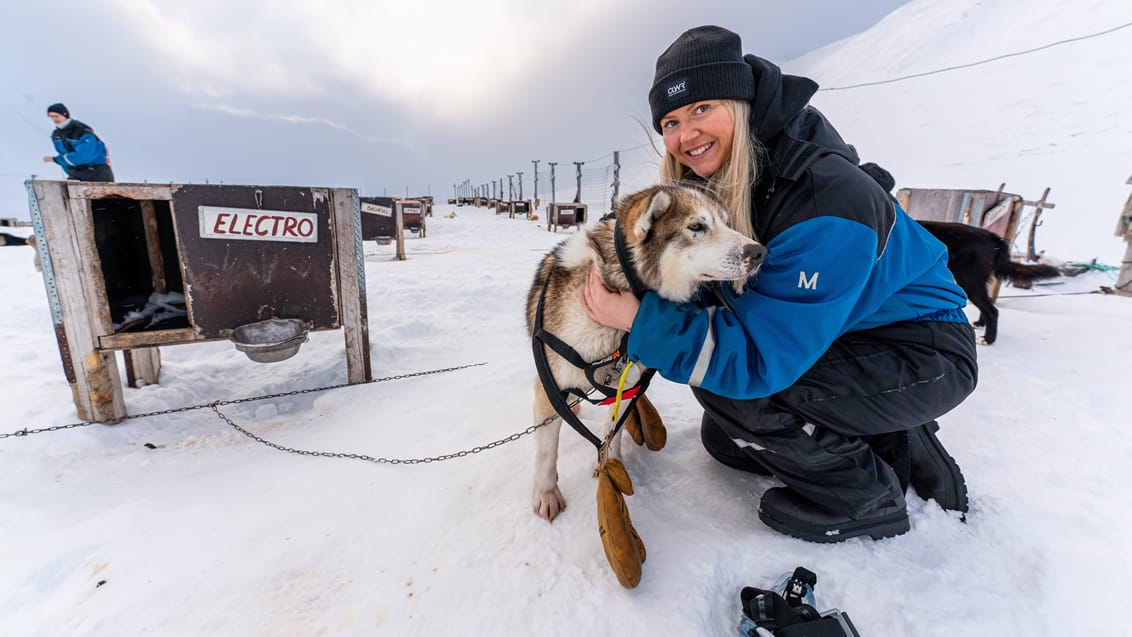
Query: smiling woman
{"x": 829, "y": 370}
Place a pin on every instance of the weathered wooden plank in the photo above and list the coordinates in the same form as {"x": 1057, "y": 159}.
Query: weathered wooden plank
{"x": 97, "y": 389}
{"x": 134, "y": 340}
{"x": 350, "y": 265}
{"x": 153, "y": 246}
{"x": 97, "y": 190}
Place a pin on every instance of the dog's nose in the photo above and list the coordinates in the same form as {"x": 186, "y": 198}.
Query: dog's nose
{"x": 754, "y": 254}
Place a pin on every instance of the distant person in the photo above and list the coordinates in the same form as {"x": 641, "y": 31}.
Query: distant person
{"x": 79, "y": 151}
{"x": 830, "y": 369}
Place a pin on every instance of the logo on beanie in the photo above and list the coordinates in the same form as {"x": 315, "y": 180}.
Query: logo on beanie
{"x": 677, "y": 88}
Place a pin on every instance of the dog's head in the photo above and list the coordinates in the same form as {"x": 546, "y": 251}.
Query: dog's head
{"x": 679, "y": 237}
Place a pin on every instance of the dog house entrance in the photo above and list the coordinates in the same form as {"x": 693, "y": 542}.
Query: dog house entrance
{"x": 140, "y": 264}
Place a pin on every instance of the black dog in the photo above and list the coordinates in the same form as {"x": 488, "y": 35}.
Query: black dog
{"x": 973, "y": 255}
{"x": 11, "y": 240}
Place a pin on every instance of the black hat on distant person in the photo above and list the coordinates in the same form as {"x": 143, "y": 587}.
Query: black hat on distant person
{"x": 60, "y": 109}
{"x": 704, "y": 63}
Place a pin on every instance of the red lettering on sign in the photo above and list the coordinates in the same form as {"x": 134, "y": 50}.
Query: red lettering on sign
{"x": 258, "y": 231}
{"x": 289, "y": 226}
{"x": 219, "y": 220}
{"x": 232, "y": 225}
{"x": 308, "y": 230}
{"x": 275, "y": 226}
{"x": 248, "y": 224}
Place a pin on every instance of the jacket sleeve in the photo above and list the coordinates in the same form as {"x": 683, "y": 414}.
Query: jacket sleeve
{"x": 809, "y": 286}
{"x": 86, "y": 150}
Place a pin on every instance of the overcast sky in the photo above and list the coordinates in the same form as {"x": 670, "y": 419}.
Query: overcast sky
{"x": 376, "y": 95}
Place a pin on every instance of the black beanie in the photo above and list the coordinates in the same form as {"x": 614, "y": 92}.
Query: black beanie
{"x": 704, "y": 63}
{"x": 59, "y": 108}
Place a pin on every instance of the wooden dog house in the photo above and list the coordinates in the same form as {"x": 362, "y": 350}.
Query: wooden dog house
{"x": 565, "y": 214}
{"x": 385, "y": 219}
{"x": 231, "y": 255}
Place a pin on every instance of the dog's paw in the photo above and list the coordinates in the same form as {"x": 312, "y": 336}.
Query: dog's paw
{"x": 548, "y": 504}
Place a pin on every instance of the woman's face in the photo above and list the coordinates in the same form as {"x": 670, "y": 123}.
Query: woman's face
{"x": 700, "y": 135}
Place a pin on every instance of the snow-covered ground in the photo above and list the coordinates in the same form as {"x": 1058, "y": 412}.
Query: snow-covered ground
{"x": 209, "y": 532}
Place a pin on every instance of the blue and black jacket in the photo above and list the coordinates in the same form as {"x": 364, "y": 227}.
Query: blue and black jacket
{"x": 77, "y": 147}
{"x": 842, "y": 257}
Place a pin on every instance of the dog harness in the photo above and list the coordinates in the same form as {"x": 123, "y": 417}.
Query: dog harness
{"x": 601, "y": 372}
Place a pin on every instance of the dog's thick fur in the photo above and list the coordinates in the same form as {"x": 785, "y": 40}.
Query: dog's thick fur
{"x": 678, "y": 238}
{"x": 973, "y": 256}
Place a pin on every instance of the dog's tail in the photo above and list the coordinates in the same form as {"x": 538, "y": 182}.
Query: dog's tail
{"x": 1021, "y": 275}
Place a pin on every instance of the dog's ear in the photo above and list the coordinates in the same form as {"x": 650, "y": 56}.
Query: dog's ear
{"x": 660, "y": 202}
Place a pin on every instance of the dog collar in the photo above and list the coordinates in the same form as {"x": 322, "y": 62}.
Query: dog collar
{"x": 625, "y": 259}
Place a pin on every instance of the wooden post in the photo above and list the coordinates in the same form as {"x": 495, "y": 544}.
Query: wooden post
{"x": 616, "y": 179}
{"x": 1039, "y": 205}
{"x": 399, "y": 224}
{"x": 553, "y": 190}
{"x": 535, "y": 162}
{"x": 578, "y": 194}
{"x": 1124, "y": 229}
{"x": 143, "y": 366}
{"x": 95, "y": 384}
{"x": 350, "y": 263}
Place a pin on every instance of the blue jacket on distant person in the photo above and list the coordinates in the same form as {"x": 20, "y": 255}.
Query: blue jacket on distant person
{"x": 79, "y": 151}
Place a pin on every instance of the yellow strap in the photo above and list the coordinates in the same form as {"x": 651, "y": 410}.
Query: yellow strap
{"x": 620, "y": 389}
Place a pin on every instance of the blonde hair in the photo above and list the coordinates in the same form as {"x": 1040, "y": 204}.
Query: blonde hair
{"x": 732, "y": 183}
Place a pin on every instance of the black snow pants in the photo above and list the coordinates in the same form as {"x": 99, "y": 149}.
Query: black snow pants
{"x": 822, "y": 435}
{"x": 101, "y": 172}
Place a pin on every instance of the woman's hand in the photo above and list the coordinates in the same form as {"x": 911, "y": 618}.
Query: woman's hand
{"x": 612, "y": 309}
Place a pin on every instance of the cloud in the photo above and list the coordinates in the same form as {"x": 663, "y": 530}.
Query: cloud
{"x": 437, "y": 61}
{"x": 291, "y": 119}
{"x": 204, "y": 49}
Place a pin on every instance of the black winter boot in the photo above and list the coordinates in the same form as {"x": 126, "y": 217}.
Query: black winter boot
{"x": 787, "y": 512}
{"x": 934, "y": 473}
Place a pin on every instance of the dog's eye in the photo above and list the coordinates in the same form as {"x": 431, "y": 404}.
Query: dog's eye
{"x": 697, "y": 227}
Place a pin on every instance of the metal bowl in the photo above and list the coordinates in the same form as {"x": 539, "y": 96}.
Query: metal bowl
{"x": 270, "y": 341}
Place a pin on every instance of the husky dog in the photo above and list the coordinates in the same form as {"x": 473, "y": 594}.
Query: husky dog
{"x": 678, "y": 238}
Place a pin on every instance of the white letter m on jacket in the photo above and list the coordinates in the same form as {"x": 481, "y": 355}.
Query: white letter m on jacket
{"x": 809, "y": 284}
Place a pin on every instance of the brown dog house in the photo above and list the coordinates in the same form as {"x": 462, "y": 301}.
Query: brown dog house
{"x": 995, "y": 210}
{"x": 385, "y": 219}
{"x": 519, "y": 207}
{"x": 132, "y": 267}
{"x": 565, "y": 214}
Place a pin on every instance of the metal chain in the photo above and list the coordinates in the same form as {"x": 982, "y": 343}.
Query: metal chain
{"x": 360, "y": 456}
{"x": 28, "y": 432}
{"x": 176, "y": 410}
